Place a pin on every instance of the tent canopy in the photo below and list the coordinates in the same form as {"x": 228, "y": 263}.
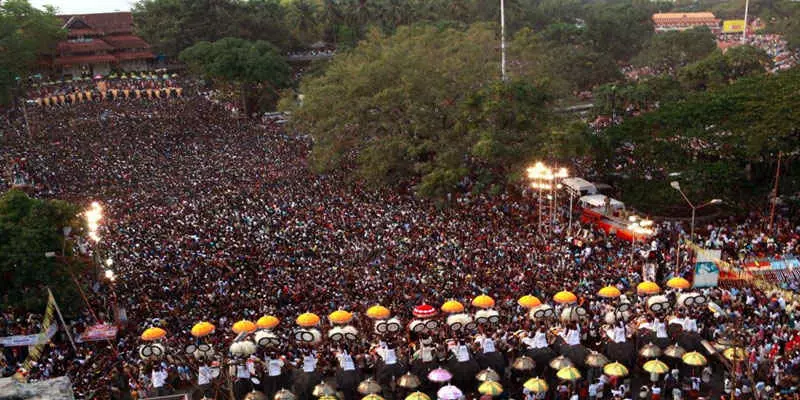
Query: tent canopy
{"x": 599, "y": 201}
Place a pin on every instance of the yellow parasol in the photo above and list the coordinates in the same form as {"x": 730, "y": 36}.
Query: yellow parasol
{"x": 378, "y": 312}
{"x": 694, "y": 359}
{"x": 151, "y": 334}
{"x": 491, "y": 388}
{"x": 735, "y": 354}
{"x": 647, "y": 287}
{"x": 267, "y": 322}
{"x": 656, "y": 367}
{"x": 202, "y": 328}
{"x": 483, "y": 301}
{"x": 565, "y": 297}
{"x": 536, "y": 385}
{"x": 372, "y": 397}
{"x": 678, "y": 283}
{"x": 615, "y": 369}
{"x": 569, "y": 374}
{"x": 452, "y": 307}
{"x": 340, "y": 317}
{"x": 529, "y": 301}
{"x": 609, "y": 292}
{"x": 307, "y": 320}
{"x": 244, "y": 326}
{"x": 418, "y": 396}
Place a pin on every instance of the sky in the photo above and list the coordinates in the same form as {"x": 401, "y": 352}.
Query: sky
{"x": 86, "y": 6}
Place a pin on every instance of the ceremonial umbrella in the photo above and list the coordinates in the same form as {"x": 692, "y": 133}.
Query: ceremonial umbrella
{"x": 307, "y": 320}
{"x": 650, "y": 351}
{"x": 491, "y": 388}
{"x": 369, "y": 386}
{"x": 487, "y": 374}
{"x": 609, "y": 292}
{"x": 452, "y": 307}
{"x": 523, "y": 363}
{"x": 439, "y": 375}
{"x": 565, "y": 297}
{"x": 529, "y": 301}
{"x": 378, "y": 312}
{"x": 483, "y": 301}
{"x": 615, "y": 369}
{"x": 155, "y": 333}
{"x": 267, "y": 322}
{"x": 647, "y": 288}
{"x": 678, "y": 283}
{"x": 244, "y": 326}
{"x": 735, "y": 354}
{"x": 596, "y": 360}
{"x": 408, "y": 381}
{"x": 372, "y": 397}
{"x": 560, "y": 362}
{"x": 694, "y": 359}
{"x": 423, "y": 311}
{"x": 418, "y": 396}
{"x": 331, "y": 397}
{"x": 323, "y": 389}
{"x": 674, "y": 351}
{"x": 569, "y": 374}
{"x": 536, "y": 385}
{"x": 656, "y": 367}
{"x": 340, "y": 317}
{"x": 202, "y": 328}
{"x": 449, "y": 392}
{"x": 284, "y": 394}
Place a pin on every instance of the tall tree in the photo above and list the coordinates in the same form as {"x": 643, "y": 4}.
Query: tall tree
{"x": 667, "y": 52}
{"x": 25, "y": 33}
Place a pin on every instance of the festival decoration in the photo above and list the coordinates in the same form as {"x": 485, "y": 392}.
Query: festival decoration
{"x": 267, "y": 322}
{"x": 424, "y": 311}
{"x": 340, "y": 317}
{"x": 439, "y": 375}
{"x": 418, "y": 396}
{"x": 609, "y": 292}
{"x": 266, "y": 338}
{"x": 452, "y": 307}
{"x": 491, "y": 388}
{"x": 735, "y": 354}
{"x": 569, "y": 374}
{"x": 650, "y": 351}
{"x": 369, "y": 386}
{"x": 615, "y": 369}
{"x": 244, "y": 326}
{"x": 656, "y": 367}
{"x": 483, "y": 301}
{"x": 307, "y": 320}
{"x": 536, "y": 385}
{"x": 155, "y": 333}
{"x": 529, "y": 301}
{"x": 694, "y": 359}
{"x": 449, "y": 392}
{"x": 487, "y": 374}
{"x": 202, "y": 328}
{"x": 243, "y": 348}
{"x": 487, "y": 316}
{"x": 560, "y": 362}
{"x": 678, "y": 283}
{"x": 323, "y": 389}
{"x": 596, "y": 360}
{"x": 674, "y": 351}
{"x": 523, "y": 363}
{"x": 378, "y": 312}
{"x": 647, "y": 288}
{"x": 565, "y": 297}
{"x": 408, "y": 381}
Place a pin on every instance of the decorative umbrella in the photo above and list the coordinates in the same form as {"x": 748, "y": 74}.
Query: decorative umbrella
{"x": 678, "y": 283}
{"x": 98, "y": 76}
{"x": 650, "y": 351}
{"x": 449, "y": 392}
{"x": 331, "y": 397}
{"x": 487, "y": 374}
{"x": 418, "y": 396}
{"x": 694, "y": 359}
{"x": 647, "y": 288}
{"x": 369, "y": 386}
{"x": 323, "y": 389}
{"x": 560, "y": 362}
{"x": 536, "y": 385}
{"x": 439, "y": 375}
{"x": 565, "y": 297}
{"x": 722, "y": 344}
{"x": 491, "y": 388}
{"x": 452, "y": 307}
{"x": 155, "y": 333}
{"x": 656, "y": 367}
{"x": 423, "y": 311}
{"x": 615, "y": 369}
{"x": 596, "y": 360}
{"x": 340, "y": 317}
{"x": 529, "y": 301}
{"x": 378, "y": 312}
{"x": 284, "y": 394}
{"x": 483, "y": 301}
{"x": 244, "y": 326}
{"x": 307, "y": 320}
{"x": 674, "y": 351}
{"x": 202, "y": 328}
{"x": 735, "y": 354}
{"x": 408, "y": 381}
{"x": 267, "y": 322}
{"x": 256, "y": 395}
{"x": 523, "y": 363}
{"x": 372, "y": 396}
{"x": 569, "y": 374}
{"x": 609, "y": 292}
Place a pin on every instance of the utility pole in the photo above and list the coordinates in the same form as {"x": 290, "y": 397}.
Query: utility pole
{"x": 503, "y": 39}
{"x": 775, "y": 192}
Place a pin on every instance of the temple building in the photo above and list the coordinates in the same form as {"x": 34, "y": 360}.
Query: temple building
{"x": 682, "y": 21}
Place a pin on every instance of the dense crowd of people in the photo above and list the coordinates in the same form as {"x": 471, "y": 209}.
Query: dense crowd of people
{"x": 212, "y": 218}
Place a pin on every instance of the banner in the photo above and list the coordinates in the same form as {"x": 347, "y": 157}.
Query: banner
{"x": 706, "y": 271}
{"x": 36, "y": 350}
{"x": 28, "y": 340}
{"x": 98, "y": 332}
{"x": 733, "y": 26}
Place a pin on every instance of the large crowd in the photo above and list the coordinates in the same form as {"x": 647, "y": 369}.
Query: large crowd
{"x": 212, "y": 218}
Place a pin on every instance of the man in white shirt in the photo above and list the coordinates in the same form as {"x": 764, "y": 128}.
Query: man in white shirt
{"x": 205, "y": 374}
{"x": 159, "y": 379}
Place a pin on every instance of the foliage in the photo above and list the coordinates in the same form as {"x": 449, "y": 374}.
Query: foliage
{"x": 669, "y": 51}
{"x": 424, "y": 103}
{"x": 719, "y": 69}
{"x": 619, "y": 30}
{"x": 644, "y": 95}
{"x": 29, "y": 228}
{"x": 25, "y": 32}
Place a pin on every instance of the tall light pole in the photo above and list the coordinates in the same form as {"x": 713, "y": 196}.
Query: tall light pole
{"x": 677, "y": 186}
{"x": 542, "y": 177}
{"x": 503, "y": 39}
{"x": 744, "y": 29}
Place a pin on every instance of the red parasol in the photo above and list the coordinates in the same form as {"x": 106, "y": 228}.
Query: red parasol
{"x": 424, "y": 311}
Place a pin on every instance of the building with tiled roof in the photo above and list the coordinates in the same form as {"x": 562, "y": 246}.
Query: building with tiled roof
{"x": 100, "y": 43}
{"x": 682, "y": 21}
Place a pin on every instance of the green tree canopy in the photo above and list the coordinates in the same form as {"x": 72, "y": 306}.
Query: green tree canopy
{"x": 669, "y": 51}
{"x": 25, "y": 33}
{"x": 719, "y": 69}
{"x": 29, "y": 228}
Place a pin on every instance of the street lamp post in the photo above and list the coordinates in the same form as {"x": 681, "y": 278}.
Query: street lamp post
{"x": 503, "y": 39}
{"x": 677, "y": 186}
{"x": 542, "y": 177}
